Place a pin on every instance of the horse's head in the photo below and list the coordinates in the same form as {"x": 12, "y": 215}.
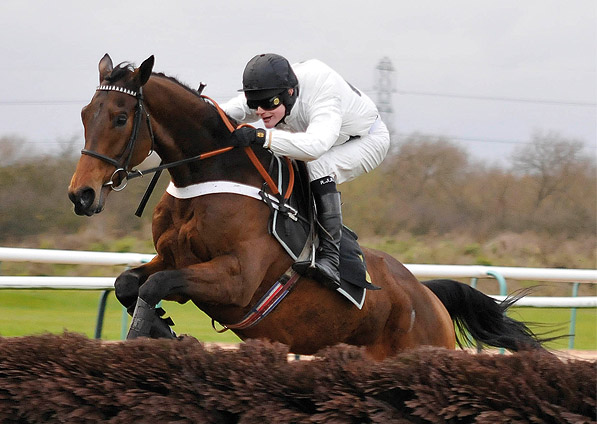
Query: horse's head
{"x": 117, "y": 135}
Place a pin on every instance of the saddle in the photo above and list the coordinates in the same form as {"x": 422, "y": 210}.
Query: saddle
{"x": 292, "y": 223}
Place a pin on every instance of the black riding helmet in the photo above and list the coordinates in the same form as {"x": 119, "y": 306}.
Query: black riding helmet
{"x": 267, "y": 76}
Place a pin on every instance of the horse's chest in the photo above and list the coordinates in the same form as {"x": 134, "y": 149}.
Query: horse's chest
{"x": 184, "y": 242}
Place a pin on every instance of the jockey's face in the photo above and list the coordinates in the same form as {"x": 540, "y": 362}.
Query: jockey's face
{"x": 273, "y": 116}
{"x": 270, "y": 116}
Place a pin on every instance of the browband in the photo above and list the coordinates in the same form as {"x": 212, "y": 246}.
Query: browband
{"x": 116, "y": 88}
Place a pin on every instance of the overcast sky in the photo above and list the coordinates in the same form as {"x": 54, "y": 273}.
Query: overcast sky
{"x": 456, "y": 62}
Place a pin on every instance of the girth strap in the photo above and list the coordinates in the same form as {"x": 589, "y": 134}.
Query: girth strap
{"x": 265, "y": 305}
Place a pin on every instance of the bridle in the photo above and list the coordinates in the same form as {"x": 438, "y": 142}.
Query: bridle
{"x": 122, "y": 163}
{"x": 140, "y": 110}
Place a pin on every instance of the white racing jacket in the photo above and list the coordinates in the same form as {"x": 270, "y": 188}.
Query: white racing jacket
{"x": 327, "y": 112}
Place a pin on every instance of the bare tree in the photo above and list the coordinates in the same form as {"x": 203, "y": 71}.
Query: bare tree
{"x": 426, "y": 163}
{"x": 552, "y": 160}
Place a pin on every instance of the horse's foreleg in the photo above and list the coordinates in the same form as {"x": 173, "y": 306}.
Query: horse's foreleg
{"x": 218, "y": 281}
{"x": 127, "y": 292}
{"x": 126, "y": 286}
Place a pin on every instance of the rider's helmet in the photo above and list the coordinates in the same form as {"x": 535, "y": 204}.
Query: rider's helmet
{"x": 266, "y": 80}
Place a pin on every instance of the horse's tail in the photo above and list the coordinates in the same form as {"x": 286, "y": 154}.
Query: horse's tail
{"x": 481, "y": 318}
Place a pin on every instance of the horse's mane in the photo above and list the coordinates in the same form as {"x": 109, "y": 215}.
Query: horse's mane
{"x": 177, "y": 82}
{"x": 125, "y": 68}
{"x": 192, "y": 91}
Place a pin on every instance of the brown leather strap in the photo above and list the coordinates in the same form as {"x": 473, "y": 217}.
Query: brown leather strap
{"x": 267, "y": 178}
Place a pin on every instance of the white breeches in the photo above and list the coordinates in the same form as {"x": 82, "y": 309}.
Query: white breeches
{"x": 347, "y": 161}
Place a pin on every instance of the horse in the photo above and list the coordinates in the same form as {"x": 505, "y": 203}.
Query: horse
{"x": 216, "y": 251}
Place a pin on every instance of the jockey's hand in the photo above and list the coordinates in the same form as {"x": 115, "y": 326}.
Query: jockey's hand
{"x": 245, "y": 136}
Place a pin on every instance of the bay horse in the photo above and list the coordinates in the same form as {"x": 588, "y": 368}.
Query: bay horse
{"x": 216, "y": 251}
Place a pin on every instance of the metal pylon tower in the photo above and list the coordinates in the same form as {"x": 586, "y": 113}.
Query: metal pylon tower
{"x": 384, "y": 86}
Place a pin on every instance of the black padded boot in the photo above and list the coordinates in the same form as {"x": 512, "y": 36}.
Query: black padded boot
{"x": 147, "y": 322}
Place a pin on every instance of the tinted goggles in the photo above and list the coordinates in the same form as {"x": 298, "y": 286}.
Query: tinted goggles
{"x": 266, "y": 104}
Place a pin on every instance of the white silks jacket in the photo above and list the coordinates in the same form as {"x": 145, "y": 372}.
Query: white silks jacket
{"x": 327, "y": 113}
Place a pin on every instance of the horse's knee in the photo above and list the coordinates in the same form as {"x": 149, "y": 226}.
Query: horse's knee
{"x": 126, "y": 288}
{"x": 153, "y": 289}
{"x": 160, "y": 285}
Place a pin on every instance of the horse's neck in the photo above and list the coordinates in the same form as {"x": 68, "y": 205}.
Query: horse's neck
{"x": 187, "y": 126}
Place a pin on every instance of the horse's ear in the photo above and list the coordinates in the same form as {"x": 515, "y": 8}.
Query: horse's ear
{"x": 105, "y": 67}
{"x": 144, "y": 71}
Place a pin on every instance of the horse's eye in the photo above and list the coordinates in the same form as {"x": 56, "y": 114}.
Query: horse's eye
{"x": 120, "y": 120}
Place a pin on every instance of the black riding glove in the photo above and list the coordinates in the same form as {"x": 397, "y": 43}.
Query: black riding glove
{"x": 245, "y": 136}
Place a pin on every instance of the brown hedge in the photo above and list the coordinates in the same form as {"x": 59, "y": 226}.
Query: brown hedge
{"x": 73, "y": 379}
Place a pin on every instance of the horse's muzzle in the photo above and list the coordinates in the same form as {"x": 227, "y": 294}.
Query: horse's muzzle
{"x": 83, "y": 199}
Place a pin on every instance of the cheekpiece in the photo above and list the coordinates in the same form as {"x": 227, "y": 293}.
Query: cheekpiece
{"x": 115, "y": 88}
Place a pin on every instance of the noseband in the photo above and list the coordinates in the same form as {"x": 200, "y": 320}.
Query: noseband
{"x": 122, "y": 163}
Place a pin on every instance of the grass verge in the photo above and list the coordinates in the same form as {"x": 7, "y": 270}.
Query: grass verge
{"x": 27, "y": 312}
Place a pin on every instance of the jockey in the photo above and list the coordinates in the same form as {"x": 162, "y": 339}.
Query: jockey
{"x": 312, "y": 114}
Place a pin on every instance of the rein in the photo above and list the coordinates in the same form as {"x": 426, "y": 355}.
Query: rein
{"x": 287, "y": 281}
{"x": 130, "y": 147}
{"x": 251, "y": 154}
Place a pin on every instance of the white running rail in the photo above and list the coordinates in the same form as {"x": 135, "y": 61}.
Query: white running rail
{"x": 421, "y": 271}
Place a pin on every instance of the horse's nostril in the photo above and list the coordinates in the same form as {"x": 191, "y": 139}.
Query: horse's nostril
{"x": 86, "y": 197}
{"x": 83, "y": 200}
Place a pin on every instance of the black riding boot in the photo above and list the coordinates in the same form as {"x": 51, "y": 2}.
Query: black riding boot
{"x": 329, "y": 217}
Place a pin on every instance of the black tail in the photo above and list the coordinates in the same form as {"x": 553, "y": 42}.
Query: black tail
{"x": 482, "y": 318}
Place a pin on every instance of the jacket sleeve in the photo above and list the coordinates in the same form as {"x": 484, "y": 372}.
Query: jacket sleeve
{"x": 237, "y": 109}
{"x": 324, "y": 119}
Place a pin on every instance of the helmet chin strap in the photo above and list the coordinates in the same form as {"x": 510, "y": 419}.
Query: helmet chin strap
{"x": 288, "y": 101}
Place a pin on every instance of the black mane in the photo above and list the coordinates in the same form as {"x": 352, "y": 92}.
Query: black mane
{"x": 183, "y": 85}
{"x": 192, "y": 91}
{"x": 125, "y": 68}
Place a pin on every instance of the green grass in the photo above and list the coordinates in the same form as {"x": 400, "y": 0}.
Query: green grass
{"x": 556, "y": 322}
{"x": 27, "y": 312}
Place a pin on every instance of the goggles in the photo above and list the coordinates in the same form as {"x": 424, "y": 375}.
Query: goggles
{"x": 266, "y": 104}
